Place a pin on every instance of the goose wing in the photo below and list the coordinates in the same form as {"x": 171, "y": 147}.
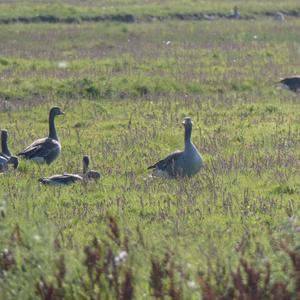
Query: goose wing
{"x": 4, "y": 156}
{"x": 92, "y": 174}
{"x": 3, "y": 159}
{"x": 40, "y": 148}
{"x": 64, "y": 179}
{"x": 3, "y": 163}
{"x": 168, "y": 161}
{"x": 8, "y": 155}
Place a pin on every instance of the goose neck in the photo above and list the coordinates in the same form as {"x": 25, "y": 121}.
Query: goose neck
{"x": 85, "y": 167}
{"x": 187, "y": 137}
{"x": 52, "y": 129}
{"x": 4, "y": 146}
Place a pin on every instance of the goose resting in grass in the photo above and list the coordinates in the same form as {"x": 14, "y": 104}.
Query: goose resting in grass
{"x": 291, "y": 83}
{"x": 45, "y": 150}
{"x": 5, "y": 161}
{"x": 89, "y": 174}
{"x": 64, "y": 179}
{"x": 181, "y": 163}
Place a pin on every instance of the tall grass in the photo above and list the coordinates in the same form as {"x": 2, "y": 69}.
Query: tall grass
{"x": 231, "y": 231}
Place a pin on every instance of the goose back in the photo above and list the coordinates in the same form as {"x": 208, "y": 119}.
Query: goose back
{"x": 64, "y": 179}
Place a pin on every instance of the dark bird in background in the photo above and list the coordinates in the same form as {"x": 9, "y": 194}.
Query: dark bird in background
{"x": 291, "y": 83}
{"x": 235, "y": 15}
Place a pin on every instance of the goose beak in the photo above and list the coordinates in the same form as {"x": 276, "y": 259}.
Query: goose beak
{"x": 61, "y": 113}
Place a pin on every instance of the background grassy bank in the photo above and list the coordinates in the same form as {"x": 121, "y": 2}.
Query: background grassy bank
{"x": 76, "y": 11}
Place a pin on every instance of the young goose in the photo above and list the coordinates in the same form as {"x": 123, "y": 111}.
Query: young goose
{"x": 89, "y": 174}
{"x": 291, "y": 83}
{"x": 64, "y": 179}
{"x": 4, "y": 161}
{"x": 45, "y": 150}
{"x": 181, "y": 163}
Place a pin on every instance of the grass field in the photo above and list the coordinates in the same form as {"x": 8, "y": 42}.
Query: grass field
{"x": 70, "y": 11}
{"x": 125, "y": 89}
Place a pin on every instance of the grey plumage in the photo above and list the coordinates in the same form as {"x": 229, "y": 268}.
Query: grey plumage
{"x": 279, "y": 17}
{"x": 14, "y": 161}
{"x": 89, "y": 174}
{"x": 67, "y": 178}
{"x": 6, "y": 157}
{"x": 5, "y": 161}
{"x": 64, "y": 179}
{"x": 45, "y": 150}
{"x": 180, "y": 163}
{"x": 291, "y": 83}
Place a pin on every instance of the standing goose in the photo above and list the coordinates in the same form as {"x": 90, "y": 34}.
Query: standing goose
{"x": 4, "y": 161}
{"x": 181, "y": 163}
{"x": 89, "y": 174}
{"x": 64, "y": 179}
{"x": 291, "y": 83}
{"x": 45, "y": 150}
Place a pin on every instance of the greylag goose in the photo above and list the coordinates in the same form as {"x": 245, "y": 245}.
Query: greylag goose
{"x": 291, "y": 83}
{"x": 64, "y": 179}
{"x": 89, "y": 174}
{"x": 181, "y": 163}
{"x": 45, "y": 150}
{"x": 4, "y": 161}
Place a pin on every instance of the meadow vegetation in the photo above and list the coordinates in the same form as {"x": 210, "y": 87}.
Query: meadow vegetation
{"x": 71, "y": 11}
{"x": 231, "y": 231}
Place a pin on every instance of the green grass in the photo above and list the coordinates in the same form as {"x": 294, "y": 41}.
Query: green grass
{"x": 79, "y": 11}
{"x": 125, "y": 92}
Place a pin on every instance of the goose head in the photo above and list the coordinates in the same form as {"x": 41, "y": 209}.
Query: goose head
{"x": 56, "y": 111}
{"x": 187, "y": 123}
